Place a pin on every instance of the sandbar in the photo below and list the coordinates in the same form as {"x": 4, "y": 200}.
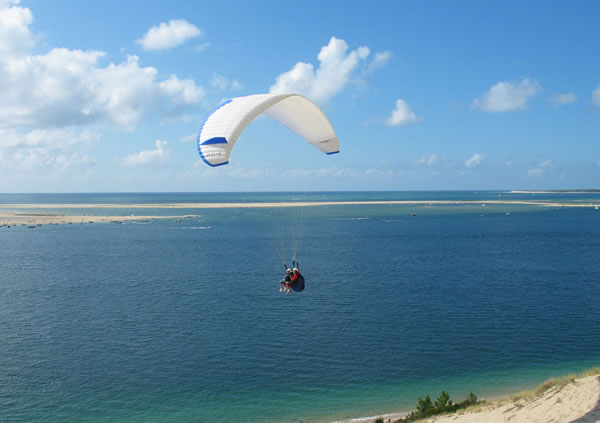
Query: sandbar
{"x": 37, "y": 219}
{"x": 15, "y": 213}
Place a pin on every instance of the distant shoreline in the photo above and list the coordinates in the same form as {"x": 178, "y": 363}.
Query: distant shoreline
{"x": 284, "y": 204}
{"x": 591, "y": 191}
{"x": 13, "y": 213}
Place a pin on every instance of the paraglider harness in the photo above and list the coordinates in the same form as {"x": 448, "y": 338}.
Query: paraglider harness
{"x": 298, "y": 284}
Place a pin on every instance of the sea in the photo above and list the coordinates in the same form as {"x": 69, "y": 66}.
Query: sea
{"x": 180, "y": 319}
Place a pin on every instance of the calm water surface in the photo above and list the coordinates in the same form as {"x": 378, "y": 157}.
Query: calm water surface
{"x": 167, "y": 321}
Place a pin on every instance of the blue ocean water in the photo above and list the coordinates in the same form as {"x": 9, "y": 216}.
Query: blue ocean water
{"x": 168, "y": 321}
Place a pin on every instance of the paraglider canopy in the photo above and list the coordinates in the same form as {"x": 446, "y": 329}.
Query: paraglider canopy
{"x": 223, "y": 127}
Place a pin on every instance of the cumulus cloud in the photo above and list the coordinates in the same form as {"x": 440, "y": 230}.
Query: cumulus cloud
{"x": 168, "y": 35}
{"x": 54, "y": 103}
{"x": 158, "y": 155}
{"x": 337, "y": 68}
{"x": 63, "y": 87}
{"x": 507, "y": 96}
{"x": 562, "y": 99}
{"x": 402, "y": 115}
{"x": 68, "y": 87}
{"x": 474, "y": 160}
{"x": 596, "y": 96}
{"x": 14, "y": 29}
{"x": 540, "y": 168}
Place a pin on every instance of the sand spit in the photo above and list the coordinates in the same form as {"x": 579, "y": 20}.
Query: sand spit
{"x": 37, "y": 219}
{"x": 14, "y": 213}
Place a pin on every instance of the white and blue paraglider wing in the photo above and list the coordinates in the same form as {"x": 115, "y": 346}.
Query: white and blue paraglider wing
{"x": 223, "y": 127}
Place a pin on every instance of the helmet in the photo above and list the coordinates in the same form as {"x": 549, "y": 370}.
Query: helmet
{"x": 295, "y": 269}
{"x": 288, "y": 270}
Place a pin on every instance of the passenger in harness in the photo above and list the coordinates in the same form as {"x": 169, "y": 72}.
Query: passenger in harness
{"x": 293, "y": 280}
{"x": 286, "y": 279}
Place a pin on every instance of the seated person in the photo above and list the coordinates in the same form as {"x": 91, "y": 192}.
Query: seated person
{"x": 287, "y": 279}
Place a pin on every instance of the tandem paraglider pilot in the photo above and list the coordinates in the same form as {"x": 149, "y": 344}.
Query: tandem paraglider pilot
{"x": 293, "y": 281}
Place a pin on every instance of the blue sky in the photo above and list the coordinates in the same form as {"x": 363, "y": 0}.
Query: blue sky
{"x": 423, "y": 95}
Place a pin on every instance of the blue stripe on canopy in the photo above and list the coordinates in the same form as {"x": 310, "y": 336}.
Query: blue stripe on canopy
{"x": 216, "y": 140}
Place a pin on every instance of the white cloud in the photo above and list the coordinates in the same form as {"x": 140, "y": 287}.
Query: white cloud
{"x": 596, "y": 96}
{"x": 219, "y": 82}
{"x": 46, "y": 138}
{"x": 507, "y": 96}
{"x": 402, "y": 115}
{"x": 181, "y": 91}
{"x": 168, "y": 35}
{"x": 222, "y": 83}
{"x": 236, "y": 85}
{"x": 158, "y": 155}
{"x": 562, "y": 99}
{"x": 381, "y": 59}
{"x": 64, "y": 88}
{"x": 68, "y": 87}
{"x": 14, "y": 29}
{"x": 44, "y": 148}
{"x": 430, "y": 160}
{"x": 475, "y": 160}
{"x": 540, "y": 168}
{"x": 335, "y": 72}
{"x": 508, "y": 163}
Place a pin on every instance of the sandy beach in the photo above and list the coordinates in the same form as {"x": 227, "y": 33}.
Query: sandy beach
{"x": 14, "y": 214}
{"x": 577, "y": 401}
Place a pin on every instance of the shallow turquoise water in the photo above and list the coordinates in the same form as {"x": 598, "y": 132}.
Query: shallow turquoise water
{"x": 164, "y": 321}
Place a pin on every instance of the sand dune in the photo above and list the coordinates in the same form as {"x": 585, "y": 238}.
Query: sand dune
{"x": 575, "y": 402}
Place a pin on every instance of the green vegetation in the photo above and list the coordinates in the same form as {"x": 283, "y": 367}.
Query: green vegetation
{"x": 427, "y": 408}
{"x": 443, "y": 404}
